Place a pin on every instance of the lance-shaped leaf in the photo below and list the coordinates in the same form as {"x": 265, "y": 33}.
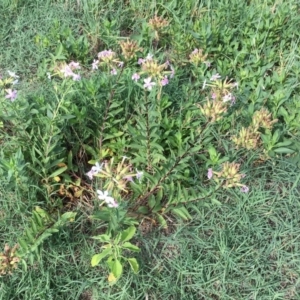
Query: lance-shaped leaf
{"x": 98, "y": 257}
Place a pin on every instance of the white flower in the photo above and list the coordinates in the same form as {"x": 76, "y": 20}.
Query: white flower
{"x": 74, "y": 65}
{"x": 235, "y": 84}
{"x": 95, "y": 64}
{"x": 110, "y": 201}
{"x": 113, "y": 72}
{"x": 149, "y": 56}
{"x": 227, "y": 97}
{"x": 76, "y": 77}
{"x": 113, "y": 204}
{"x": 94, "y": 170}
{"x": 102, "y": 195}
{"x": 148, "y": 84}
{"x": 215, "y": 77}
{"x": 135, "y": 77}
{"x": 139, "y": 174}
{"x": 97, "y": 168}
{"x": 12, "y": 74}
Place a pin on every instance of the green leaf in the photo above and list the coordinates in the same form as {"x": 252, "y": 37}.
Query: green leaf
{"x": 133, "y": 264}
{"x": 29, "y": 235}
{"x": 151, "y": 201}
{"x": 283, "y": 150}
{"x": 68, "y": 217}
{"x": 215, "y": 201}
{"x": 117, "y": 268}
{"x": 59, "y": 171}
{"x": 143, "y": 210}
{"x": 131, "y": 247}
{"x": 128, "y": 234}
{"x": 23, "y": 244}
{"x": 103, "y": 215}
{"x": 161, "y": 220}
{"x": 284, "y": 144}
{"x": 182, "y": 213}
{"x": 37, "y": 219}
{"x": 102, "y": 238}
{"x": 112, "y": 136}
{"x": 98, "y": 257}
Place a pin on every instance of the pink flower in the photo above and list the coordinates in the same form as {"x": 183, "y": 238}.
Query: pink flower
{"x": 76, "y": 77}
{"x": 141, "y": 61}
{"x": 74, "y": 65}
{"x": 244, "y": 189}
{"x": 128, "y": 178}
{"x": 228, "y": 97}
{"x": 106, "y": 54}
{"x": 139, "y": 175}
{"x": 113, "y": 204}
{"x": 94, "y": 170}
{"x": 214, "y": 96}
{"x": 113, "y": 72}
{"x": 210, "y": 173}
{"x": 164, "y": 81}
{"x": 67, "y": 71}
{"x": 11, "y": 94}
{"x": 135, "y": 77}
{"x": 195, "y": 52}
{"x": 148, "y": 83}
{"x": 95, "y": 64}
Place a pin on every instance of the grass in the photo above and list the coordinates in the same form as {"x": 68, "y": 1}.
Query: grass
{"x": 236, "y": 246}
{"x": 246, "y": 249}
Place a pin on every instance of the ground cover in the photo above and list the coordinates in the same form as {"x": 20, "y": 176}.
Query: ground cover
{"x": 149, "y": 150}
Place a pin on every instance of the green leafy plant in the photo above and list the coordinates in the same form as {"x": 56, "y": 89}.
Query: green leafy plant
{"x": 41, "y": 226}
{"x": 114, "y": 248}
{"x": 135, "y": 123}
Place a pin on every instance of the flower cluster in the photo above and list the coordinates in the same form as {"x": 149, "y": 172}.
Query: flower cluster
{"x": 7, "y": 84}
{"x": 262, "y": 118}
{"x": 249, "y": 137}
{"x": 158, "y": 24}
{"x": 107, "y": 58}
{"x": 197, "y": 57}
{"x": 129, "y": 49}
{"x": 114, "y": 177}
{"x": 156, "y": 74}
{"x": 221, "y": 90}
{"x": 231, "y": 176}
{"x": 213, "y": 110}
{"x": 221, "y": 95}
{"x": 67, "y": 70}
{"x": 8, "y": 260}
